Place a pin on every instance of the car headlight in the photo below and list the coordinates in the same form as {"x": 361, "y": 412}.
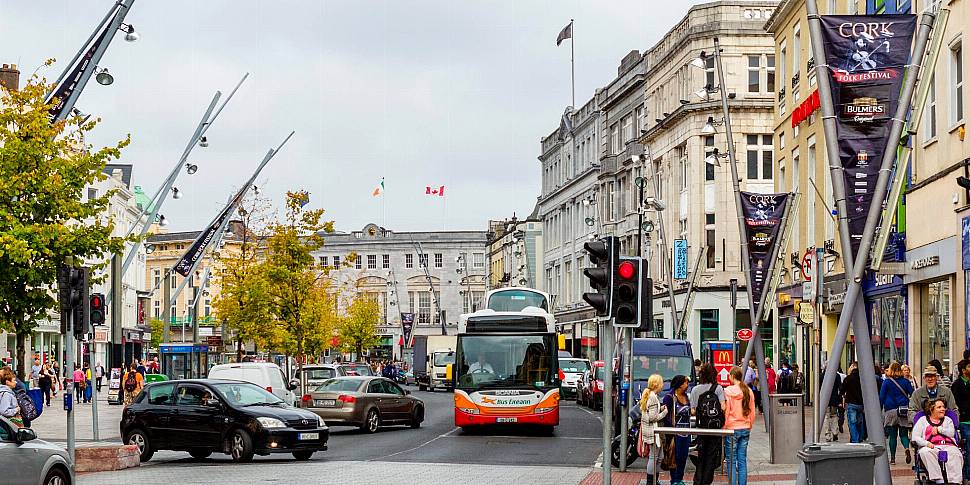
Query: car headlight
{"x": 271, "y": 423}
{"x": 469, "y": 410}
{"x": 543, "y": 410}
{"x": 320, "y": 422}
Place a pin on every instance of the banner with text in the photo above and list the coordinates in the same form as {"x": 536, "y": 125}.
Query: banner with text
{"x": 868, "y": 55}
{"x": 197, "y": 249}
{"x": 407, "y": 325}
{"x": 762, "y": 228}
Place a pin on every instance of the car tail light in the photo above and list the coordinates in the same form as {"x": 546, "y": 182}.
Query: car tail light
{"x": 562, "y": 376}
{"x": 347, "y": 399}
{"x": 269, "y": 388}
{"x": 306, "y": 398}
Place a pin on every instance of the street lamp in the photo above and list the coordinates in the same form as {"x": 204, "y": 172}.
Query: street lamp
{"x": 191, "y": 168}
{"x": 176, "y": 193}
{"x": 203, "y": 142}
{"x": 103, "y": 77}
{"x": 80, "y": 114}
{"x": 149, "y": 248}
{"x": 715, "y": 156}
{"x": 130, "y": 34}
{"x": 710, "y": 127}
{"x": 162, "y": 221}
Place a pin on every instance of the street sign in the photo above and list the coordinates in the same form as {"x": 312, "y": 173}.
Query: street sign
{"x": 680, "y": 259}
{"x": 806, "y": 312}
{"x": 808, "y": 291}
{"x": 723, "y": 361}
{"x": 808, "y": 271}
{"x": 745, "y": 334}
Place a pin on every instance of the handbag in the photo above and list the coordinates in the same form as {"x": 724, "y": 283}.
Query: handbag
{"x": 669, "y": 462}
{"x": 903, "y": 411}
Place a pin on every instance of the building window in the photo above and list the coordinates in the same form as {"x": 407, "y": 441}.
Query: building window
{"x": 358, "y": 262}
{"x": 615, "y": 139}
{"x": 424, "y": 307}
{"x": 929, "y": 131}
{"x": 208, "y": 307}
{"x": 336, "y": 262}
{"x": 711, "y": 247}
{"x": 770, "y": 73}
{"x": 439, "y": 260}
{"x": 708, "y": 167}
{"x": 709, "y": 325}
{"x": 324, "y": 261}
{"x": 709, "y": 72}
{"x": 796, "y": 57}
{"x": 478, "y": 260}
{"x": 158, "y": 309}
{"x": 157, "y": 278}
{"x": 935, "y": 322}
{"x": 371, "y": 261}
{"x": 92, "y": 193}
{"x": 709, "y": 219}
{"x": 409, "y": 260}
{"x": 754, "y": 73}
{"x": 174, "y": 284}
{"x": 387, "y": 261}
{"x": 956, "y": 86}
{"x": 423, "y": 260}
{"x": 627, "y": 128}
{"x": 639, "y": 122}
{"x": 760, "y": 157}
{"x": 683, "y": 173}
{"x": 611, "y": 201}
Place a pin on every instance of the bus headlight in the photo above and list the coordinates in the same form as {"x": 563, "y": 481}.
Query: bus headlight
{"x": 470, "y": 410}
{"x": 544, "y": 410}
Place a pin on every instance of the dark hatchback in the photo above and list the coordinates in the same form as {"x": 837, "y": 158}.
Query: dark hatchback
{"x": 210, "y": 415}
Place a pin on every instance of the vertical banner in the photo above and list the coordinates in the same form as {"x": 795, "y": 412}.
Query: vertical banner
{"x": 762, "y": 229}
{"x": 407, "y": 324}
{"x": 868, "y": 55}
{"x": 69, "y": 83}
{"x": 680, "y": 259}
{"x": 197, "y": 249}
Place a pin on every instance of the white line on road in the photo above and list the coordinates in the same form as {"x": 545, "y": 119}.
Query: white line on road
{"x": 436, "y": 438}
{"x": 587, "y": 411}
{"x": 536, "y": 437}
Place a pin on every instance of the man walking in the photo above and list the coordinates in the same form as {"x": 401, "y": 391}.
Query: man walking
{"x": 830, "y": 425}
{"x": 852, "y": 396}
{"x": 931, "y": 389}
{"x": 99, "y": 375}
{"x": 961, "y": 394}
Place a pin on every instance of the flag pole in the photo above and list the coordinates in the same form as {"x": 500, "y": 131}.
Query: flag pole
{"x": 572, "y": 57}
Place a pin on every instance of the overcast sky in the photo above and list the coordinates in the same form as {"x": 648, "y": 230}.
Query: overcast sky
{"x": 453, "y": 93}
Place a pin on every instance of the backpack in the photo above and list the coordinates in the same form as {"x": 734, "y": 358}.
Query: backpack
{"x": 710, "y": 415}
{"x": 785, "y": 384}
{"x": 131, "y": 382}
{"x": 27, "y": 409}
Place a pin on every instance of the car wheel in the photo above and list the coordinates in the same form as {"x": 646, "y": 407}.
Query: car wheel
{"x": 302, "y": 455}
{"x": 56, "y": 477}
{"x": 372, "y": 422}
{"x": 417, "y": 416}
{"x": 140, "y": 439}
{"x": 241, "y": 446}
{"x": 200, "y": 454}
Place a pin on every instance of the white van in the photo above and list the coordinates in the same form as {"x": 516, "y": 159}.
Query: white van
{"x": 267, "y": 375}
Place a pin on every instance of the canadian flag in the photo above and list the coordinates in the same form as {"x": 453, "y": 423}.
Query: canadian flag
{"x": 440, "y": 191}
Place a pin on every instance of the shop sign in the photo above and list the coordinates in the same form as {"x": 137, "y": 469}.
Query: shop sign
{"x": 101, "y": 335}
{"x": 804, "y": 110}
{"x": 965, "y": 242}
{"x": 806, "y": 313}
{"x": 925, "y": 262}
{"x": 680, "y": 259}
{"x": 745, "y": 334}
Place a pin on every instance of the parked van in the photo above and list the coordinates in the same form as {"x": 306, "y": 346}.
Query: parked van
{"x": 664, "y": 356}
{"x": 267, "y": 375}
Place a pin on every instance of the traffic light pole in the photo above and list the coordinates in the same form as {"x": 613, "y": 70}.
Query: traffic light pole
{"x": 607, "y": 332}
{"x": 69, "y": 388}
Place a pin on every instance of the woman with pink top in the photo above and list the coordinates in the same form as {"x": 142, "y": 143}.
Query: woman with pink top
{"x": 739, "y": 416}
{"x": 78, "y": 379}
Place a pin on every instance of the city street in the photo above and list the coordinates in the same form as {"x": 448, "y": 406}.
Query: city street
{"x": 437, "y": 451}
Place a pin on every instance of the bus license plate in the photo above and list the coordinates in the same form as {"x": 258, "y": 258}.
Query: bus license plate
{"x": 506, "y": 420}
{"x": 326, "y": 402}
{"x": 309, "y": 436}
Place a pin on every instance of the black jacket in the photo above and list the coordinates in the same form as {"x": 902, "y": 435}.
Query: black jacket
{"x": 961, "y": 392}
{"x": 836, "y": 399}
{"x": 852, "y": 388}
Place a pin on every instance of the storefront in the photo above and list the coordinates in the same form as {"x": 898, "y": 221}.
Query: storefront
{"x": 581, "y": 331}
{"x": 931, "y": 280}
{"x": 885, "y": 296}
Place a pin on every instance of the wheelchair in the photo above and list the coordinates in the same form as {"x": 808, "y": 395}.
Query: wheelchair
{"x": 922, "y": 476}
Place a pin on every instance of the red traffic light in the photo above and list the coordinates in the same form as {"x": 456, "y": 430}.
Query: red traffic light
{"x": 97, "y": 302}
{"x": 626, "y": 270}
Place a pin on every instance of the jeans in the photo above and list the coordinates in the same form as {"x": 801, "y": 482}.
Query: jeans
{"x": 77, "y": 391}
{"x": 965, "y": 434}
{"x": 681, "y": 449}
{"x": 857, "y": 422}
{"x": 891, "y": 432}
{"x": 738, "y": 447}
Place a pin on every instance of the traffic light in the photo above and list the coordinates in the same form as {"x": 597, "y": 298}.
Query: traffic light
{"x": 602, "y": 253}
{"x": 79, "y": 283}
{"x": 632, "y": 294}
{"x": 97, "y": 309}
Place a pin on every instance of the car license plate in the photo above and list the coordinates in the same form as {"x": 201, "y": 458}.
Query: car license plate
{"x": 506, "y": 420}
{"x": 326, "y": 402}
{"x": 309, "y": 436}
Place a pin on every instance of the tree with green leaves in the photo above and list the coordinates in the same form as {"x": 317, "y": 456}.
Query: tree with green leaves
{"x": 299, "y": 298}
{"x": 358, "y": 330}
{"x": 45, "y": 167}
{"x": 157, "y": 328}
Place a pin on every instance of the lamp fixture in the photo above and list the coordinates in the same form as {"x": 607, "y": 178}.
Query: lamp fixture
{"x": 700, "y": 61}
{"x": 162, "y": 221}
{"x": 176, "y": 193}
{"x": 80, "y": 114}
{"x": 203, "y": 142}
{"x": 684, "y": 102}
{"x": 715, "y": 157}
{"x": 103, "y": 77}
{"x": 658, "y": 120}
{"x": 590, "y": 221}
{"x": 129, "y": 30}
{"x": 149, "y": 248}
{"x": 256, "y": 189}
{"x": 710, "y": 126}
{"x": 191, "y": 168}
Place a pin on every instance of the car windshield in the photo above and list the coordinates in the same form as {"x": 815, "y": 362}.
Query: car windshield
{"x": 573, "y": 365}
{"x": 516, "y": 300}
{"x": 319, "y": 374}
{"x": 338, "y": 385}
{"x": 442, "y": 359}
{"x": 506, "y": 361}
{"x": 246, "y": 394}
{"x": 667, "y": 366}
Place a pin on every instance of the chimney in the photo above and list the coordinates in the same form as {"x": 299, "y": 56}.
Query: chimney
{"x": 10, "y": 77}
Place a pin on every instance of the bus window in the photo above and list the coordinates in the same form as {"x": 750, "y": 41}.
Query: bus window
{"x": 516, "y": 300}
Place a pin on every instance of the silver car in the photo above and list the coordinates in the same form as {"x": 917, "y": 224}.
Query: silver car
{"x": 32, "y": 461}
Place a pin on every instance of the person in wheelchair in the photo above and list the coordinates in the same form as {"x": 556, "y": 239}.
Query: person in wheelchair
{"x": 936, "y": 437}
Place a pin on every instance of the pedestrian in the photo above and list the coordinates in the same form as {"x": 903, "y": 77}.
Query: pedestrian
{"x": 46, "y": 382}
{"x": 931, "y": 389}
{"x": 35, "y": 373}
{"x": 697, "y": 367}
{"x": 961, "y": 394}
{"x": 751, "y": 379}
{"x": 830, "y": 425}
{"x": 798, "y": 380}
{"x": 739, "y": 416}
{"x": 852, "y": 397}
{"x": 783, "y": 381}
{"x": 935, "y": 433}
{"x": 944, "y": 376}
{"x": 707, "y": 405}
{"x": 908, "y": 375}
{"x": 678, "y": 416}
{"x": 771, "y": 375}
{"x": 88, "y": 388}
{"x": 133, "y": 382}
{"x": 651, "y": 414}
{"x": 9, "y": 406}
{"x": 843, "y": 375}
{"x": 894, "y": 399}
{"x": 99, "y": 374}
{"x": 141, "y": 368}
{"x": 78, "y": 378}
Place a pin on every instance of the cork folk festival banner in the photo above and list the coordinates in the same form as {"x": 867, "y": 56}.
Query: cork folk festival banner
{"x": 763, "y": 214}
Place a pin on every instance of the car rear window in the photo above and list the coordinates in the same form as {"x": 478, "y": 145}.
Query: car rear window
{"x": 319, "y": 374}
{"x": 346, "y": 385}
{"x": 575, "y": 366}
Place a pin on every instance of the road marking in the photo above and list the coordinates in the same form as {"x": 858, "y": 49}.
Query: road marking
{"x": 587, "y": 411}
{"x": 516, "y": 437}
{"x": 436, "y": 438}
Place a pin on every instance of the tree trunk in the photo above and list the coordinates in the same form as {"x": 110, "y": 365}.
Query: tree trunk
{"x": 239, "y": 350}
{"x": 21, "y": 355}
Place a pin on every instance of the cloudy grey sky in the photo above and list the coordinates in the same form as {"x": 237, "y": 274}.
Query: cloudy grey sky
{"x": 454, "y": 93}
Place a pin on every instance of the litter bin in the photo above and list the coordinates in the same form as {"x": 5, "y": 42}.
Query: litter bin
{"x": 787, "y": 427}
{"x": 828, "y": 463}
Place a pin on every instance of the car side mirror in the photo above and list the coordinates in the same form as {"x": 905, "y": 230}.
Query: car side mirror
{"x": 293, "y": 384}
{"x": 25, "y": 434}
{"x": 214, "y": 403}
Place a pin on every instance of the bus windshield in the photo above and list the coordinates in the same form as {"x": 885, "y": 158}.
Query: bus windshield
{"x": 667, "y": 366}
{"x": 516, "y": 300}
{"x": 442, "y": 359}
{"x": 504, "y": 361}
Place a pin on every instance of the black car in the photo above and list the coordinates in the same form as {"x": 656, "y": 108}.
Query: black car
{"x": 211, "y": 415}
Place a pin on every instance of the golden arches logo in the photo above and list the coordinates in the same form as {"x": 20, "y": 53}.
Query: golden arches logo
{"x": 722, "y": 357}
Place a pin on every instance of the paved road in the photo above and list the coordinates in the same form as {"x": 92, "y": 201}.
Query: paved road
{"x": 436, "y": 452}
